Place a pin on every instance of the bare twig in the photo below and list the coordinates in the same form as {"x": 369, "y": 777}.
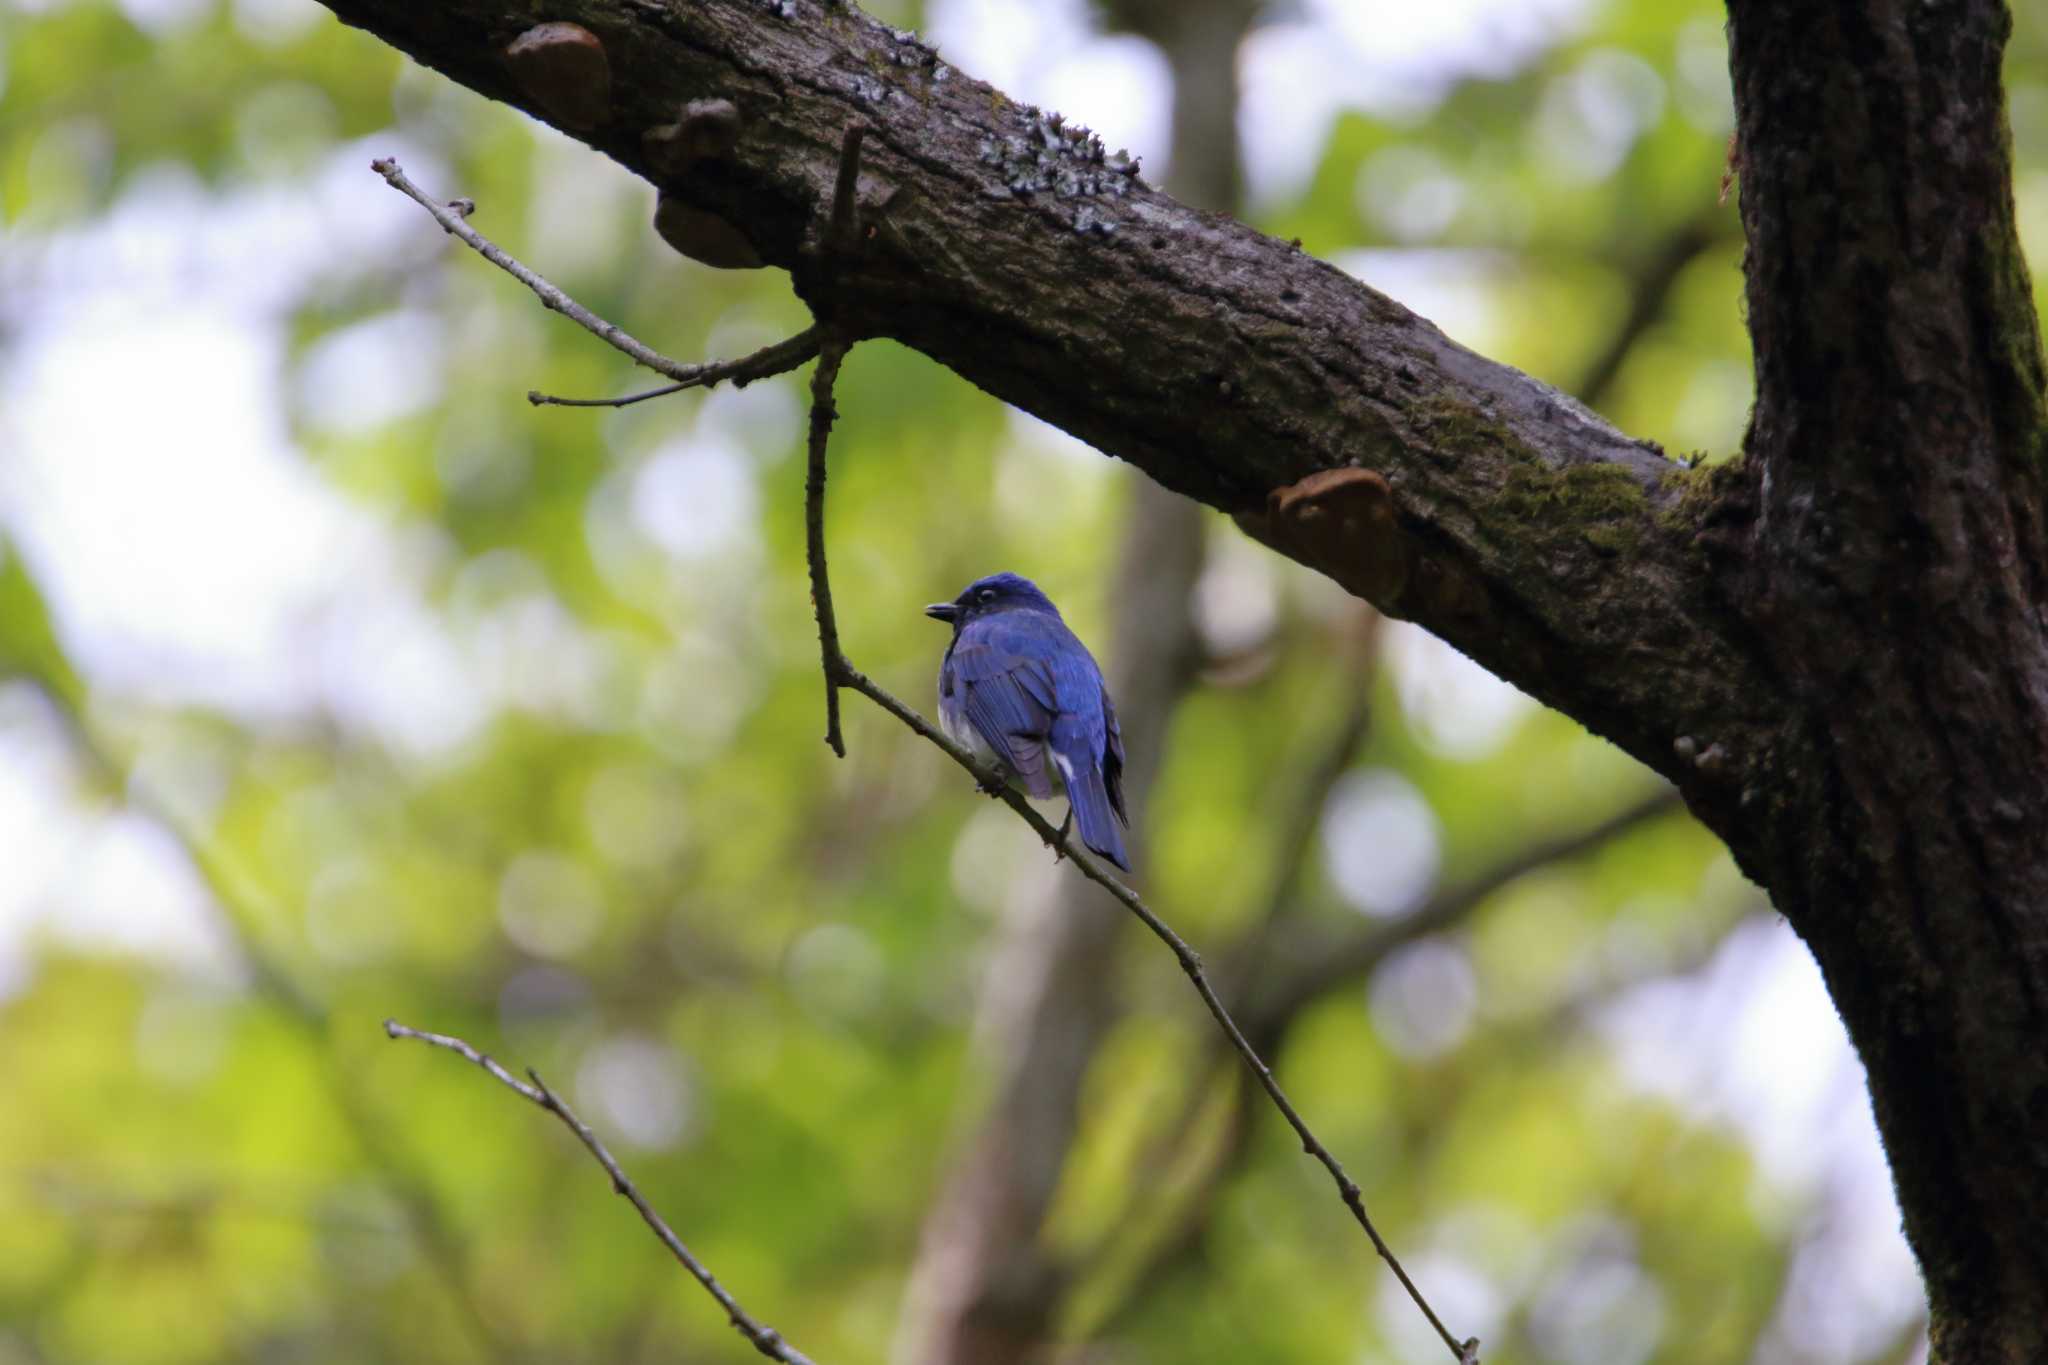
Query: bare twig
{"x": 783, "y": 356}
{"x": 1190, "y": 962}
{"x": 823, "y": 413}
{"x": 842, "y": 241}
{"x": 1273, "y": 1011}
{"x": 763, "y": 1338}
{"x": 786, "y": 355}
{"x": 839, "y": 671}
{"x": 625, "y": 400}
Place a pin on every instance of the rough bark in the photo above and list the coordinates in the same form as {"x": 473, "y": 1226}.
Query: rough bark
{"x": 1888, "y": 560}
{"x": 1834, "y": 647}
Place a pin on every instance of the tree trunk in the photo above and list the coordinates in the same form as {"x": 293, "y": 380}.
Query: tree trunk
{"x": 1834, "y": 646}
{"x": 1888, "y": 557}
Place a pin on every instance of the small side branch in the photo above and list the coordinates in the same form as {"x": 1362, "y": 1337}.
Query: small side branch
{"x": 823, "y": 413}
{"x": 763, "y": 1338}
{"x": 776, "y": 359}
{"x": 1190, "y": 962}
{"x": 783, "y": 356}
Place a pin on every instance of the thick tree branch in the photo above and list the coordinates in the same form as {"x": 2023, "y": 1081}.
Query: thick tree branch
{"x": 763, "y": 1338}
{"x": 1502, "y": 514}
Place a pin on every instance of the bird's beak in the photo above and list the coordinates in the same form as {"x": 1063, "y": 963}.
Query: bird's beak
{"x": 942, "y": 611}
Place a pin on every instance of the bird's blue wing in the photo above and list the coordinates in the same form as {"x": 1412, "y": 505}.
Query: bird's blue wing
{"x": 1113, "y": 759}
{"x": 1030, "y": 688}
{"x": 1008, "y": 695}
{"x": 1087, "y": 745}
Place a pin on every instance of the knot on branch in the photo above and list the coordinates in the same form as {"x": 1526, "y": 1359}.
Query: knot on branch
{"x": 562, "y": 68}
{"x": 1342, "y": 523}
{"x": 707, "y": 130}
{"x": 703, "y": 236}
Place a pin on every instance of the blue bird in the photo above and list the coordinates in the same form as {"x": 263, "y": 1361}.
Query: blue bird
{"x": 1018, "y": 688}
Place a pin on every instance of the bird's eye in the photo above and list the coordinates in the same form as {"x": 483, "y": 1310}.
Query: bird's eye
{"x": 988, "y": 594}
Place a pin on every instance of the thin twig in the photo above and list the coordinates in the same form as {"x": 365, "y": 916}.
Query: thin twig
{"x": 549, "y": 400}
{"x": 1190, "y": 962}
{"x": 776, "y": 359}
{"x": 840, "y": 672}
{"x": 1272, "y": 1013}
{"x": 781, "y": 357}
{"x": 823, "y": 413}
{"x": 763, "y": 1338}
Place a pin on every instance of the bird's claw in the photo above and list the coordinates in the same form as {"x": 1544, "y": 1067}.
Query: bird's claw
{"x": 1059, "y": 845}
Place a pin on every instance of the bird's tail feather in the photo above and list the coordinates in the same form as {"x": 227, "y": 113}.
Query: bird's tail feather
{"x": 1089, "y": 799}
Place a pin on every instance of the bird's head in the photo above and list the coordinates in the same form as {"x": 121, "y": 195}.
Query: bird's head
{"x": 985, "y": 596}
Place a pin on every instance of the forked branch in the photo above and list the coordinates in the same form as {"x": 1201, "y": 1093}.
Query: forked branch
{"x": 453, "y": 217}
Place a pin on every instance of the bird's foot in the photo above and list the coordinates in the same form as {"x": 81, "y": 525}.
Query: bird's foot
{"x": 1058, "y": 846}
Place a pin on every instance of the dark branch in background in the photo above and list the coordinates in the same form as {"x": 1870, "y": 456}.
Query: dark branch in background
{"x": 763, "y": 1338}
{"x": 839, "y": 671}
{"x": 1325, "y": 769}
{"x": 987, "y": 1285}
{"x": 1341, "y": 958}
{"x": 1650, "y": 286}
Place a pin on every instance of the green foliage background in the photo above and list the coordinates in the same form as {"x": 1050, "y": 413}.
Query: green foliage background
{"x": 669, "y": 871}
